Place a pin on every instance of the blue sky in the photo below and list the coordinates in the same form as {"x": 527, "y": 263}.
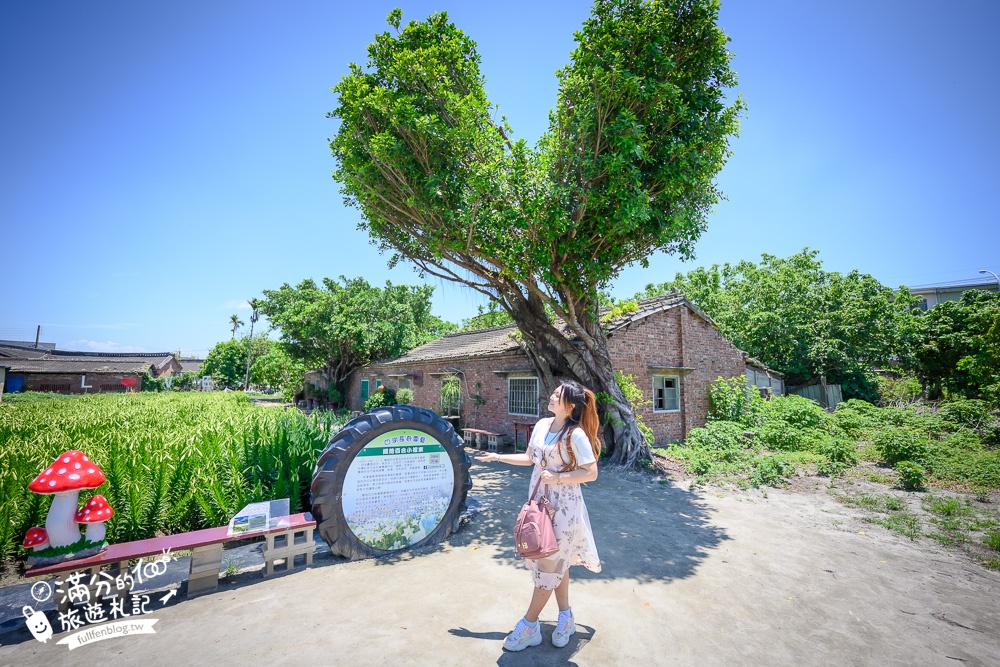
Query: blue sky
{"x": 164, "y": 162}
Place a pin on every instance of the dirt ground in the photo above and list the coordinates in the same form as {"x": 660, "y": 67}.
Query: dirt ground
{"x": 691, "y": 576}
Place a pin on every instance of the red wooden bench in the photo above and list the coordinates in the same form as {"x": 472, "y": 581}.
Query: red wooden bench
{"x": 291, "y": 536}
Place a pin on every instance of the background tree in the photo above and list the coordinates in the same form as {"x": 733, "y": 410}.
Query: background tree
{"x": 338, "y": 326}
{"x": 626, "y": 168}
{"x": 277, "y": 369}
{"x": 804, "y": 321}
{"x": 490, "y": 316}
{"x": 226, "y": 362}
{"x": 957, "y": 347}
{"x": 236, "y": 323}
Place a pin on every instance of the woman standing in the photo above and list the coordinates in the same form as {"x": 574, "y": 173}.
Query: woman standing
{"x": 564, "y": 450}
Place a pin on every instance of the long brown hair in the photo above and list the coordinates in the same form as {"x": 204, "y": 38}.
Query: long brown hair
{"x": 583, "y": 413}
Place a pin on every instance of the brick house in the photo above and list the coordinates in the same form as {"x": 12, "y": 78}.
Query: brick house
{"x": 68, "y": 372}
{"x": 671, "y": 348}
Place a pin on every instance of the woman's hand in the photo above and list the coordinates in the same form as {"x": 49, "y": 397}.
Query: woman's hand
{"x": 488, "y": 457}
{"x": 550, "y": 478}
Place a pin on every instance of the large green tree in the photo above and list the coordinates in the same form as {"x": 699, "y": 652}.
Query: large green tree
{"x": 337, "y": 326}
{"x": 802, "y": 320}
{"x": 627, "y": 167}
{"x": 958, "y": 347}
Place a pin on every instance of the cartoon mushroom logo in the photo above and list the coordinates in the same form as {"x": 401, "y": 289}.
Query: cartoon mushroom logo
{"x": 94, "y": 513}
{"x": 36, "y": 538}
{"x": 65, "y": 478}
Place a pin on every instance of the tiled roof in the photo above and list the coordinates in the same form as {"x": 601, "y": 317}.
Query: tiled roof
{"x": 30, "y": 360}
{"x": 482, "y": 343}
{"x": 190, "y": 365}
{"x": 132, "y": 366}
{"x": 499, "y": 341}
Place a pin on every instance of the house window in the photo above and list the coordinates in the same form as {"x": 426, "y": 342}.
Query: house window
{"x": 404, "y": 383}
{"x": 451, "y": 396}
{"x": 666, "y": 393}
{"x": 364, "y": 390}
{"x": 378, "y": 383}
{"x": 522, "y": 396}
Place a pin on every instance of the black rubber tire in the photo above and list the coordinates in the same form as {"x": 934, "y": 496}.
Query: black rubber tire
{"x": 331, "y": 470}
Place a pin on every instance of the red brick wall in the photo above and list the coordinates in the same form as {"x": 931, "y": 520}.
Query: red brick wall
{"x": 675, "y": 338}
{"x": 477, "y": 377}
{"x": 69, "y": 383}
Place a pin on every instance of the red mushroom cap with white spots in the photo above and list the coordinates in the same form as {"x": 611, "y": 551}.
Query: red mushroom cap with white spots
{"x": 96, "y": 509}
{"x": 35, "y": 537}
{"x": 72, "y": 471}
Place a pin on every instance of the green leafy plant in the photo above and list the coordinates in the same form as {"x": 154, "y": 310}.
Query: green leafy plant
{"x": 380, "y": 398}
{"x": 732, "y": 400}
{"x": 897, "y": 444}
{"x": 404, "y": 396}
{"x": 912, "y": 476}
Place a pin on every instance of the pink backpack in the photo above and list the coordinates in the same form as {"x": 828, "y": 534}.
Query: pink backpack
{"x": 534, "y": 536}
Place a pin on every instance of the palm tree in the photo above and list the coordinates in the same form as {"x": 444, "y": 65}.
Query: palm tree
{"x": 236, "y": 322}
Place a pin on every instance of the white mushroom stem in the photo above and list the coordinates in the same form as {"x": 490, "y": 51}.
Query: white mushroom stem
{"x": 96, "y": 531}
{"x": 60, "y": 523}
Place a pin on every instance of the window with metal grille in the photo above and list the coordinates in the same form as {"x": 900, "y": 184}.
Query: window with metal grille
{"x": 666, "y": 393}
{"x": 522, "y": 396}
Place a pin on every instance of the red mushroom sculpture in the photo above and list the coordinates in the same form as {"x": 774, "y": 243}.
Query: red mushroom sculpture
{"x": 36, "y": 538}
{"x": 94, "y": 513}
{"x": 65, "y": 478}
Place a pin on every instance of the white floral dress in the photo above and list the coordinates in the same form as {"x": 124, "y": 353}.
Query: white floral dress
{"x": 571, "y": 521}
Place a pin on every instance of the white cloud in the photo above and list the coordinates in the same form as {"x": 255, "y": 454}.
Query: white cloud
{"x": 106, "y": 346}
{"x": 236, "y": 304}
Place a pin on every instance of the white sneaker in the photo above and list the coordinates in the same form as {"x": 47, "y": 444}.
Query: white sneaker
{"x": 523, "y": 636}
{"x": 564, "y": 628}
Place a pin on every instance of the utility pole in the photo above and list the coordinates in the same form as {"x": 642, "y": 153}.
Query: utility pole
{"x": 254, "y": 304}
{"x": 38, "y": 334}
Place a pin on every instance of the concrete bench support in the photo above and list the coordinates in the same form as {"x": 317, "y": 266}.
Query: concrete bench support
{"x": 286, "y": 548}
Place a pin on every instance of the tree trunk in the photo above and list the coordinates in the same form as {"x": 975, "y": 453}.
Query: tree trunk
{"x": 556, "y": 358}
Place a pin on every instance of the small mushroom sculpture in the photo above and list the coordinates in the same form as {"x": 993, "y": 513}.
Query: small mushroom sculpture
{"x": 64, "y": 479}
{"x": 94, "y": 513}
{"x": 36, "y": 538}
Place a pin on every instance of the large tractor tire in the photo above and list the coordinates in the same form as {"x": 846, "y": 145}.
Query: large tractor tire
{"x": 336, "y": 461}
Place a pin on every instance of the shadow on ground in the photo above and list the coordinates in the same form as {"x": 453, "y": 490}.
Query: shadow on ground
{"x": 646, "y": 528}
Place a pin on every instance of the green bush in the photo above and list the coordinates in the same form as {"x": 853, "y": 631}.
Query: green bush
{"x": 912, "y": 476}
{"x": 796, "y": 411}
{"x": 972, "y": 414}
{"x": 898, "y": 391}
{"x": 404, "y": 396}
{"x": 717, "y": 437}
{"x": 770, "y": 471}
{"x": 896, "y": 443}
{"x": 779, "y": 436}
{"x": 149, "y": 383}
{"x": 380, "y": 398}
{"x": 838, "y": 450}
{"x": 733, "y": 401}
{"x": 831, "y": 468}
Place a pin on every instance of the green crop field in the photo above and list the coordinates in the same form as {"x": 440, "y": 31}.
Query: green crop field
{"x": 174, "y": 462}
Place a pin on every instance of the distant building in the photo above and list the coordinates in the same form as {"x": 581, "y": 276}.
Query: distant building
{"x": 190, "y": 365}
{"x": 932, "y": 295}
{"x": 69, "y": 372}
